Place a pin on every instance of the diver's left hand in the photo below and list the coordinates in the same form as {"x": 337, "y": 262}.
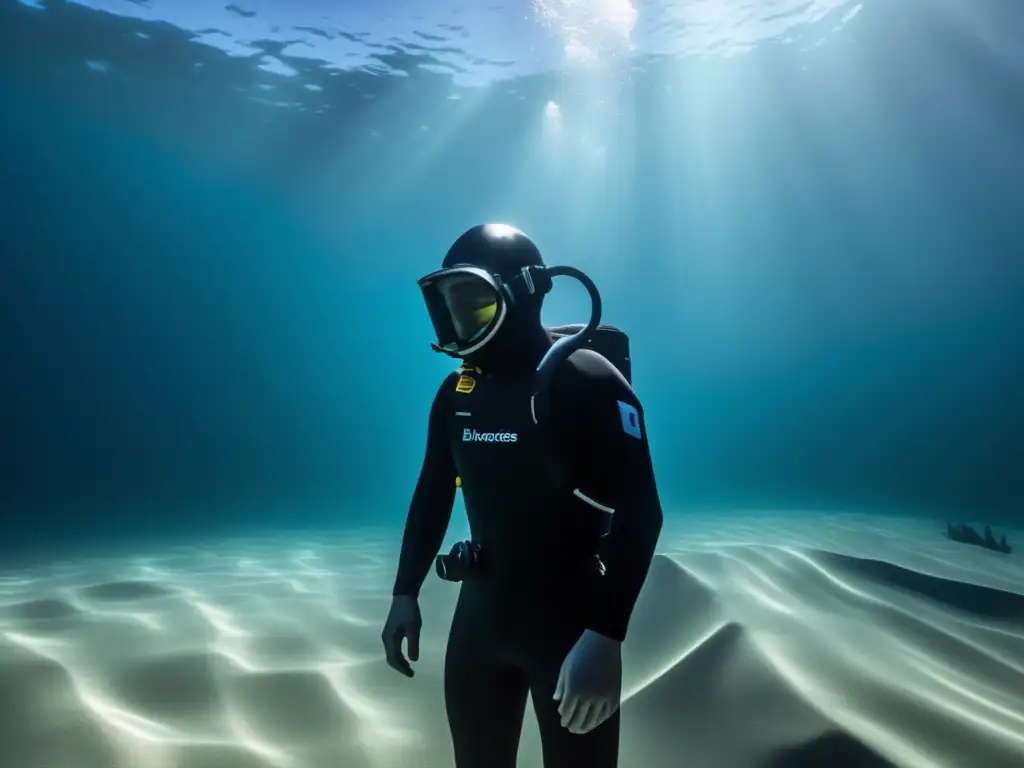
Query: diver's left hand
{"x": 589, "y": 685}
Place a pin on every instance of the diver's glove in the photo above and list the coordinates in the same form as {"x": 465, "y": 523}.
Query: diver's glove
{"x": 403, "y": 623}
{"x": 589, "y": 685}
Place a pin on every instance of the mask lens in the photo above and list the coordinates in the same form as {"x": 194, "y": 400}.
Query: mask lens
{"x": 471, "y": 302}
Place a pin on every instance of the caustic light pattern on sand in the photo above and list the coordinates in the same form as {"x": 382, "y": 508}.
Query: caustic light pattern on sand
{"x": 756, "y": 642}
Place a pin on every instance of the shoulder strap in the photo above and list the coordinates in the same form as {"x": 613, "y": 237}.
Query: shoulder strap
{"x": 609, "y": 340}
{"x": 540, "y": 409}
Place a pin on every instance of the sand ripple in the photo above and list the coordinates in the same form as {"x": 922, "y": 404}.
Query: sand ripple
{"x": 763, "y": 642}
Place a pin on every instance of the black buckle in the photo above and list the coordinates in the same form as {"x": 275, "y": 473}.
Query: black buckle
{"x": 460, "y": 563}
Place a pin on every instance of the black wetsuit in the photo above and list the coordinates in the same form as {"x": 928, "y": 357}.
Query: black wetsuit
{"x": 539, "y": 584}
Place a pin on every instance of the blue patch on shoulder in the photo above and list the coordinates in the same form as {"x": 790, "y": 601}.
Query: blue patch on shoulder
{"x": 630, "y": 420}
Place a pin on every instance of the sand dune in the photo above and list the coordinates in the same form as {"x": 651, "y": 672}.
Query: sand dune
{"x": 763, "y": 642}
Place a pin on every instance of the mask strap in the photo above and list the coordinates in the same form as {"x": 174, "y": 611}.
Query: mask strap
{"x": 531, "y": 281}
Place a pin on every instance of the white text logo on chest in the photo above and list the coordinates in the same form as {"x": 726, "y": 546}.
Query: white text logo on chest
{"x": 472, "y": 436}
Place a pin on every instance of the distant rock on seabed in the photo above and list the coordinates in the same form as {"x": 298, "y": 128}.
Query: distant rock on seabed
{"x": 965, "y": 534}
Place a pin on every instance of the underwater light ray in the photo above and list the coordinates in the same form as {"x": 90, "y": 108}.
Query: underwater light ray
{"x": 567, "y": 180}
{"x": 697, "y": 113}
{"x": 536, "y": 190}
{"x": 834, "y": 274}
{"x": 407, "y": 157}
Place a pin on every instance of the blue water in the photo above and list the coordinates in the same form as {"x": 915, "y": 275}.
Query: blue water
{"x": 807, "y": 216}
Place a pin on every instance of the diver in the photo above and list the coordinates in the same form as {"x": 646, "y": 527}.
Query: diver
{"x": 546, "y": 439}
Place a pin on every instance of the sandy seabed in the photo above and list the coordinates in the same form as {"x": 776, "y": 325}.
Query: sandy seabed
{"x": 758, "y": 641}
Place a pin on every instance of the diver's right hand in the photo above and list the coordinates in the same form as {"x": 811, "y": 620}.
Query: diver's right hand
{"x": 403, "y": 623}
